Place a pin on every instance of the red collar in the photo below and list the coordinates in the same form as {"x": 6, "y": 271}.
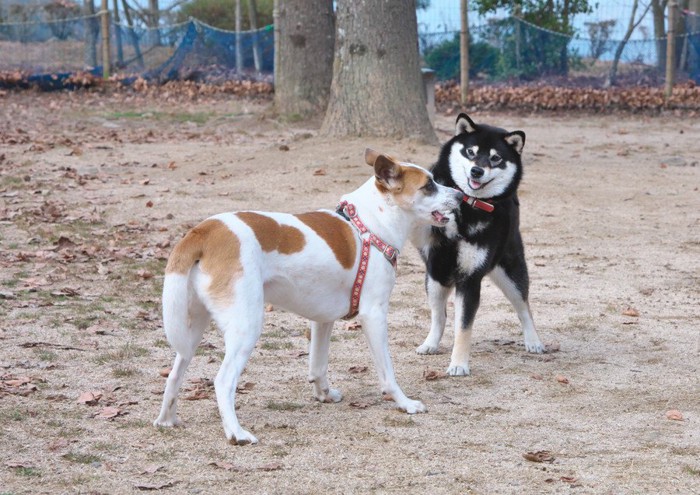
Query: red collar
{"x": 476, "y": 203}
{"x": 390, "y": 253}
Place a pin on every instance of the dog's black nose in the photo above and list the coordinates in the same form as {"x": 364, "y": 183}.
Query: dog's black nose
{"x": 477, "y": 172}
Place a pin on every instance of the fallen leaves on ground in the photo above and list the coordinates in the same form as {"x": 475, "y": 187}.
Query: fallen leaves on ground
{"x": 674, "y": 415}
{"x": 272, "y": 466}
{"x": 431, "y": 375}
{"x": 539, "y": 456}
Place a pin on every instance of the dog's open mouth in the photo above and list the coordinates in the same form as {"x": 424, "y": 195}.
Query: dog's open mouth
{"x": 476, "y": 185}
{"x": 440, "y": 218}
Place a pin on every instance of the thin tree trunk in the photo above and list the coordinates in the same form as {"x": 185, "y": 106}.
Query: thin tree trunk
{"x": 658, "y": 10}
{"x": 118, "y": 34}
{"x": 612, "y": 75}
{"x": 253, "y": 17}
{"x": 464, "y": 52}
{"x": 91, "y": 30}
{"x": 377, "y": 87}
{"x": 132, "y": 34}
{"x": 239, "y": 48}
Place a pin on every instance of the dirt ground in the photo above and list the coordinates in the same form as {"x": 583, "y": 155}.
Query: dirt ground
{"x": 95, "y": 191}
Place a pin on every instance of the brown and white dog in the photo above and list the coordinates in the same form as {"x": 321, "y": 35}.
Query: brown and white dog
{"x": 315, "y": 264}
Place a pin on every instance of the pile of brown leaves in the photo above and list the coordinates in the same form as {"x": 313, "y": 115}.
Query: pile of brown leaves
{"x": 534, "y": 98}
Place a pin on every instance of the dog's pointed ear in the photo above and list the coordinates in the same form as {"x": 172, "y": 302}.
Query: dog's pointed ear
{"x": 387, "y": 171}
{"x": 464, "y": 125}
{"x": 371, "y": 156}
{"x": 516, "y": 140}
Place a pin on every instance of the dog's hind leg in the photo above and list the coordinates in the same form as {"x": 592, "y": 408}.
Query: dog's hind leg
{"x": 184, "y": 332}
{"x": 374, "y": 325}
{"x": 513, "y": 283}
{"x": 241, "y": 324}
{"x": 318, "y": 362}
{"x": 437, "y": 299}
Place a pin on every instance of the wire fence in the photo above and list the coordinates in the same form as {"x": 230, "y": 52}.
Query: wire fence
{"x": 48, "y": 45}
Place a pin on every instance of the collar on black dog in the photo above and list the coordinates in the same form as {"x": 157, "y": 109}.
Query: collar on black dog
{"x": 478, "y": 203}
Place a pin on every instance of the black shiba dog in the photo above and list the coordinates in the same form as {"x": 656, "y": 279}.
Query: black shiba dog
{"x": 484, "y": 163}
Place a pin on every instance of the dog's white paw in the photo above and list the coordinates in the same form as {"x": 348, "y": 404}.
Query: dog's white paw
{"x": 535, "y": 347}
{"x": 167, "y": 422}
{"x": 330, "y": 395}
{"x": 242, "y": 437}
{"x": 413, "y": 407}
{"x": 427, "y": 349}
{"x": 455, "y": 370}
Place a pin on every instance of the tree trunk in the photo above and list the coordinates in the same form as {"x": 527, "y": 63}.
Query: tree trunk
{"x": 239, "y": 45}
{"x": 658, "y": 9}
{"x": 118, "y": 34}
{"x": 92, "y": 30}
{"x": 304, "y": 31}
{"x": 154, "y": 9}
{"x": 377, "y": 87}
{"x": 253, "y": 18}
{"x": 612, "y": 75}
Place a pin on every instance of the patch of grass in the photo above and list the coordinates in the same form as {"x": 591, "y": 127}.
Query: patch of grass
{"x": 399, "y": 421}
{"x": 691, "y": 470}
{"x": 162, "y": 343}
{"x": 123, "y": 372}
{"x": 49, "y": 356}
{"x": 275, "y": 346}
{"x": 284, "y": 406}
{"x": 13, "y": 415}
{"x": 196, "y": 117}
{"x": 126, "y": 352}
{"x": 28, "y": 472}
{"x": 79, "y": 458}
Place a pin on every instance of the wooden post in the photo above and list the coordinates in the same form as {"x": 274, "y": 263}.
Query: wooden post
{"x": 105, "y": 39}
{"x": 464, "y": 52}
{"x": 671, "y": 48}
{"x": 239, "y": 49}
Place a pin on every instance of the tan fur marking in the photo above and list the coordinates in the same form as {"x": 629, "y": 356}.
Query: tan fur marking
{"x": 413, "y": 179}
{"x": 218, "y": 251}
{"x": 273, "y": 236}
{"x": 336, "y": 233}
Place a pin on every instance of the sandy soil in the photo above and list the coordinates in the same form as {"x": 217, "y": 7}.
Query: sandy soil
{"x": 94, "y": 191}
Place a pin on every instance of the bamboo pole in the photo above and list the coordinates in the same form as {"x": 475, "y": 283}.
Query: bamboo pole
{"x": 671, "y": 48}
{"x": 464, "y": 52}
{"x": 105, "y": 39}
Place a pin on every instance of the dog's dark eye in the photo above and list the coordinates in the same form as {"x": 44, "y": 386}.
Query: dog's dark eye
{"x": 496, "y": 159}
{"x": 430, "y": 187}
{"x": 470, "y": 153}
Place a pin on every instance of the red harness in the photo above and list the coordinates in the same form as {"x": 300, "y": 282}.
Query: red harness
{"x": 390, "y": 253}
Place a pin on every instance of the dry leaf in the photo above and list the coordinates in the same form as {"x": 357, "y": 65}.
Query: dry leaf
{"x": 537, "y": 376}
{"x": 631, "y": 312}
{"x": 151, "y": 469}
{"x": 562, "y": 379}
{"x": 155, "y": 487}
{"x": 359, "y": 405}
{"x": 320, "y": 171}
{"x": 145, "y": 274}
{"x": 675, "y": 415}
{"x": 165, "y": 372}
{"x": 431, "y": 375}
{"x": 357, "y": 369}
{"x": 149, "y": 204}
{"x": 539, "y": 456}
{"x": 89, "y": 398}
{"x": 245, "y": 387}
{"x": 109, "y": 413}
{"x": 353, "y": 325}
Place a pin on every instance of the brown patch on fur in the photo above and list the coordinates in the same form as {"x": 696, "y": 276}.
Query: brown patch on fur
{"x": 218, "y": 251}
{"x": 271, "y": 235}
{"x": 336, "y": 233}
{"x": 406, "y": 182}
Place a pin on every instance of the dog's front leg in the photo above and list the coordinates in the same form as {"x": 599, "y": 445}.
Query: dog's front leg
{"x": 318, "y": 362}
{"x": 374, "y": 325}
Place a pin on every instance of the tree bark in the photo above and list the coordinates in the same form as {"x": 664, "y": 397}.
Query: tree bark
{"x": 658, "y": 9}
{"x": 304, "y": 31}
{"x": 92, "y": 30}
{"x": 377, "y": 87}
{"x": 612, "y": 75}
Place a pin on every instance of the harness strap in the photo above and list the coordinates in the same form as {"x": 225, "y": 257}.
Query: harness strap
{"x": 348, "y": 211}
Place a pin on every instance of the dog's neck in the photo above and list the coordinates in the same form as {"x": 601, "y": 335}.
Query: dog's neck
{"x": 382, "y": 218}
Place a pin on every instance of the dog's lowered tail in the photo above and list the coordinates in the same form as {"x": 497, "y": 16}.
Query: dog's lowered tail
{"x": 177, "y": 290}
